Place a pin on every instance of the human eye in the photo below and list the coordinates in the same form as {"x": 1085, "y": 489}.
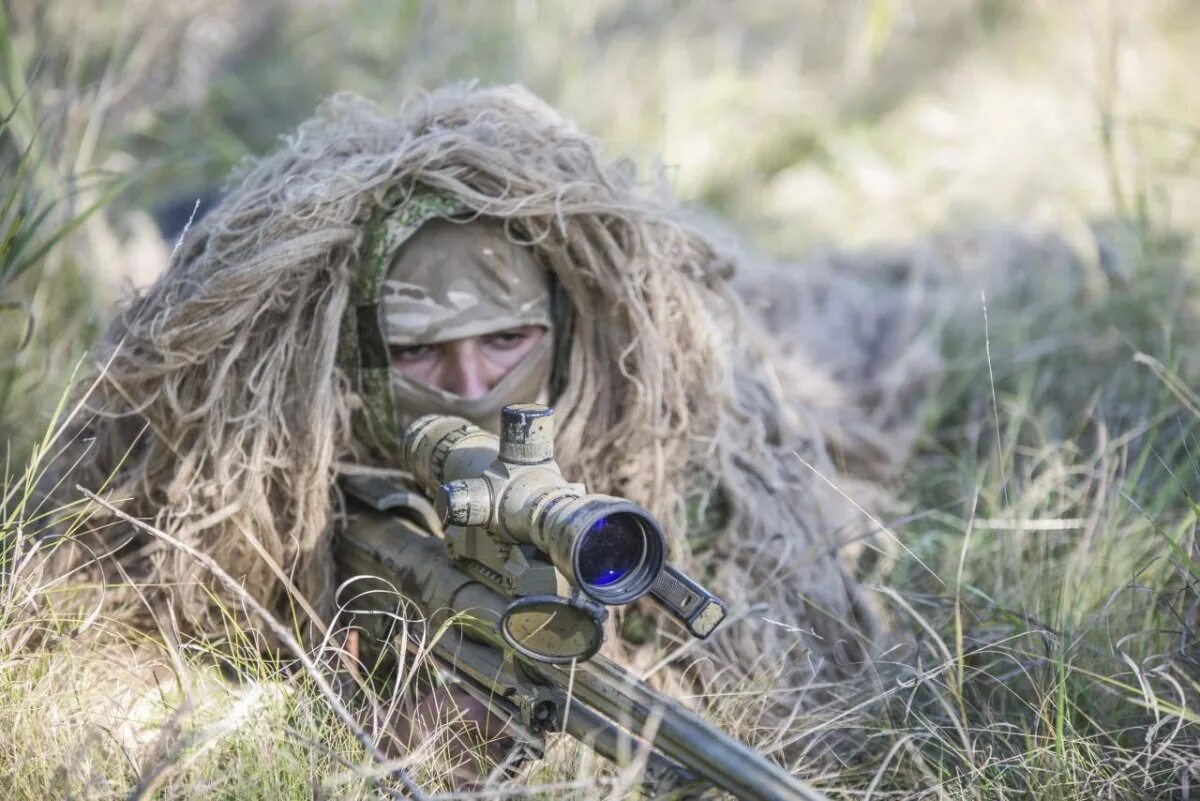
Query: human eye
{"x": 508, "y": 340}
{"x": 411, "y": 354}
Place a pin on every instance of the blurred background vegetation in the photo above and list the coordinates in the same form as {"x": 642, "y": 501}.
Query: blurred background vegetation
{"x": 1055, "y": 597}
{"x": 813, "y": 123}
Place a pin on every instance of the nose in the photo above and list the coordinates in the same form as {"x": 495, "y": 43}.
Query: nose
{"x": 466, "y": 373}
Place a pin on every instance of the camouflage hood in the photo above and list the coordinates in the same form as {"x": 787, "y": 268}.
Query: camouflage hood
{"x": 432, "y": 272}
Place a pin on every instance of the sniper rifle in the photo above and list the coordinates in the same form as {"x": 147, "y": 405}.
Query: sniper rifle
{"x": 523, "y": 564}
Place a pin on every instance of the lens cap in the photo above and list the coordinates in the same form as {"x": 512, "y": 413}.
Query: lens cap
{"x": 553, "y": 629}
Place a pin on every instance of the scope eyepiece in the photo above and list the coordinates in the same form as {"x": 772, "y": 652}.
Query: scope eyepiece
{"x": 615, "y": 550}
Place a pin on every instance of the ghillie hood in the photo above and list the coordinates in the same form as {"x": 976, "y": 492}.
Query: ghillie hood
{"x": 226, "y": 372}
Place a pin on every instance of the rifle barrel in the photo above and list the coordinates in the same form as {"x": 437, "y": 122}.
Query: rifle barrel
{"x": 682, "y": 735}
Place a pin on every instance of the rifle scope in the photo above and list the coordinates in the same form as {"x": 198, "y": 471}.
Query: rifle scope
{"x": 511, "y": 487}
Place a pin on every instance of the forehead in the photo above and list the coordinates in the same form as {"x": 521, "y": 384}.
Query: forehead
{"x": 451, "y": 280}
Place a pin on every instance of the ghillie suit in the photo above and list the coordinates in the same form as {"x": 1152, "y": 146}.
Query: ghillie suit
{"x": 222, "y": 412}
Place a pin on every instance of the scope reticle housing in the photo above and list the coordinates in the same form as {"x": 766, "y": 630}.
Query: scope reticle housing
{"x": 610, "y": 548}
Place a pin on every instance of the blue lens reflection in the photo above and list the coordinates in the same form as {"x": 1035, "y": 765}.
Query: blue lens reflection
{"x": 611, "y": 549}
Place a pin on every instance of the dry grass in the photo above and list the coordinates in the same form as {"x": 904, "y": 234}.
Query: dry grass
{"x": 1053, "y": 586}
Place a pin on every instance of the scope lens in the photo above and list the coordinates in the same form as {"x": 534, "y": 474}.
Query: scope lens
{"x": 611, "y": 549}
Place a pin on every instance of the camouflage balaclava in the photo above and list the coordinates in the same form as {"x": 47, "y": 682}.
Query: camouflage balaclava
{"x": 430, "y": 274}
{"x": 453, "y": 280}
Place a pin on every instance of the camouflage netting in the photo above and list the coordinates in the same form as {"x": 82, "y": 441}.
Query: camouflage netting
{"x": 222, "y": 416}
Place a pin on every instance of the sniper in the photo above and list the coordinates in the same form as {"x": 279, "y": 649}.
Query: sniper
{"x": 470, "y": 251}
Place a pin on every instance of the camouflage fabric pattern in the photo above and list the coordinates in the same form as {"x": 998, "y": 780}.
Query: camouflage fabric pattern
{"x": 425, "y": 279}
{"x": 457, "y": 279}
{"x": 362, "y": 343}
{"x": 398, "y": 219}
{"x": 453, "y": 280}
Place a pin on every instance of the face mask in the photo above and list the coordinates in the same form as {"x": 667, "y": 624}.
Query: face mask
{"x": 455, "y": 280}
